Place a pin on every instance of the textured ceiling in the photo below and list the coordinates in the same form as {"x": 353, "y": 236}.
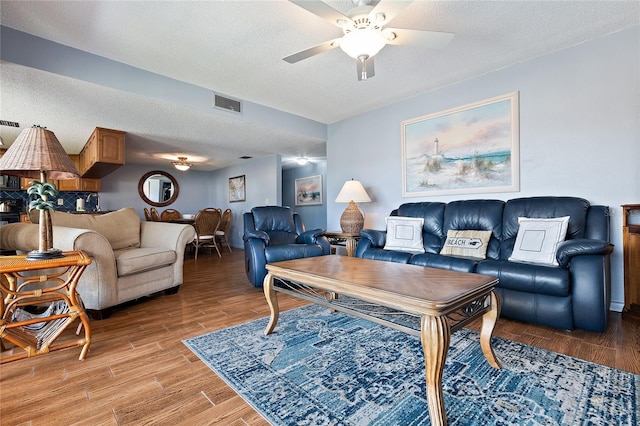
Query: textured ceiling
{"x": 236, "y": 48}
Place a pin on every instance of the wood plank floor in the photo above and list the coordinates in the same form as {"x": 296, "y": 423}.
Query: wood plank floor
{"x": 139, "y": 372}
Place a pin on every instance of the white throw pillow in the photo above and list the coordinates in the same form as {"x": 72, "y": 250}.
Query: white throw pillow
{"x": 404, "y": 234}
{"x": 466, "y": 243}
{"x": 538, "y": 239}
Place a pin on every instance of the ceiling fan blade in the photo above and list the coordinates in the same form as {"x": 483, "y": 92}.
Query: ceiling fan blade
{"x": 389, "y": 9}
{"x": 307, "y": 53}
{"x": 367, "y": 67}
{"x": 426, "y": 39}
{"x": 323, "y": 10}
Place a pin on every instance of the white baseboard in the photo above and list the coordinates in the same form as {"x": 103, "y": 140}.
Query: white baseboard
{"x": 616, "y": 306}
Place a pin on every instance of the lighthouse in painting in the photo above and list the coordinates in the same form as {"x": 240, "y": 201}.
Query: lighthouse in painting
{"x": 435, "y": 147}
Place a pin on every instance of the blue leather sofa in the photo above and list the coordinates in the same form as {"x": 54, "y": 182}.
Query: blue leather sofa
{"x": 574, "y": 294}
{"x": 273, "y": 234}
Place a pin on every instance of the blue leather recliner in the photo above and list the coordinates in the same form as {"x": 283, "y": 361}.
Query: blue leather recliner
{"x": 273, "y": 234}
{"x": 574, "y": 294}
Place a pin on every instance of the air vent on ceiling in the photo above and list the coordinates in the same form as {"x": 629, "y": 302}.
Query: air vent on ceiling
{"x": 9, "y": 123}
{"x": 227, "y": 104}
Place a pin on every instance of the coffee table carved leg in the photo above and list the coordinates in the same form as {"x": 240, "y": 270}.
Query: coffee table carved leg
{"x": 435, "y": 336}
{"x": 488, "y": 323}
{"x": 272, "y": 301}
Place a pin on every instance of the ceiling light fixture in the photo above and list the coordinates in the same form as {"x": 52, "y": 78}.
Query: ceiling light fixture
{"x": 182, "y": 164}
{"x": 363, "y": 42}
{"x": 302, "y": 161}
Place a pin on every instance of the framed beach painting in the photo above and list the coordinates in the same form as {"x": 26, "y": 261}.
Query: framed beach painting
{"x": 465, "y": 150}
{"x": 308, "y": 191}
{"x": 237, "y": 189}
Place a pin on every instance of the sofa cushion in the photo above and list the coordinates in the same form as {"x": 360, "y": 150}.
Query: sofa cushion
{"x": 527, "y": 277}
{"x": 542, "y": 207}
{"x": 433, "y": 232}
{"x": 404, "y": 234}
{"x": 478, "y": 215}
{"x": 538, "y": 239}
{"x": 134, "y": 260}
{"x": 387, "y": 255}
{"x": 121, "y": 228}
{"x": 439, "y": 261}
{"x": 466, "y": 243}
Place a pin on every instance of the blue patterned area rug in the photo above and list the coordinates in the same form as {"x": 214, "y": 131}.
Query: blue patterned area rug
{"x": 324, "y": 368}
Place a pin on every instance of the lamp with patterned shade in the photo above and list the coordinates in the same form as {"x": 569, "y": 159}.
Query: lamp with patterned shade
{"x": 37, "y": 153}
{"x": 352, "y": 192}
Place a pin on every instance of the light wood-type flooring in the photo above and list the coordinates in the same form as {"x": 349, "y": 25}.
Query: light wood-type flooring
{"x": 139, "y": 372}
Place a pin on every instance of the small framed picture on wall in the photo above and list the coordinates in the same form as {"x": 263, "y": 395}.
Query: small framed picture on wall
{"x": 308, "y": 191}
{"x": 237, "y": 189}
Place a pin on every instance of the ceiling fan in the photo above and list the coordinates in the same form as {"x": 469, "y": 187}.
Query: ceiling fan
{"x": 364, "y": 35}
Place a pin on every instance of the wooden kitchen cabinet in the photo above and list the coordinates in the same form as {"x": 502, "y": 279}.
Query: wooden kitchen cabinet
{"x": 78, "y": 184}
{"x": 103, "y": 153}
{"x": 631, "y": 254}
{"x": 25, "y": 183}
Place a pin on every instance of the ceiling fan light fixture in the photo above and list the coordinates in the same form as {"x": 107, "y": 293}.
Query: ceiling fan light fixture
{"x": 182, "y": 164}
{"x": 363, "y": 42}
{"x": 302, "y": 161}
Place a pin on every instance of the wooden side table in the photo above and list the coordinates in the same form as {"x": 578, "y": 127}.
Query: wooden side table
{"x": 53, "y": 284}
{"x": 350, "y": 240}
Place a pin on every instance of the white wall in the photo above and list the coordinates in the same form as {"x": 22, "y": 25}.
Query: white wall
{"x": 263, "y": 185}
{"x": 314, "y": 216}
{"x": 579, "y": 134}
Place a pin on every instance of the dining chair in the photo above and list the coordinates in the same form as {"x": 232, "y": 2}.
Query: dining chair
{"x": 147, "y": 215}
{"x": 154, "y": 215}
{"x": 169, "y": 214}
{"x": 223, "y": 230}
{"x": 206, "y": 224}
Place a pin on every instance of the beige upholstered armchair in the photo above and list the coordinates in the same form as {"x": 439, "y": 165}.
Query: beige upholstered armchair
{"x": 131, "y": 258}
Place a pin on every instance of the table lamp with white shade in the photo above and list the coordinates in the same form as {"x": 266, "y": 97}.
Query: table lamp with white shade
{"x": 352, "y": 192}
{"x": 36, "y": 153}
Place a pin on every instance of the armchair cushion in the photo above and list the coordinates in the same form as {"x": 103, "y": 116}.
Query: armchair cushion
{"x": 130, "y": 261}
{"x": 121, "y": 228}
{"x": 291, "y": 251}
{"x": 273, "y": 219}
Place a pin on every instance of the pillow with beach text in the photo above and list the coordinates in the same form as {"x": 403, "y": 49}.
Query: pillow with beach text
{"x": 466, "y": 243}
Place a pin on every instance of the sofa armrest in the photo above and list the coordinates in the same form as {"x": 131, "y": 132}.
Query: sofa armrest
{"x": 172, "y": 236}
{"x": 571, "y": 248}
{"x": 377, "y": 239}
{"x": 97, "y": 285}
{"x": 255, "y": 234}
{"x": 310, "y": 237}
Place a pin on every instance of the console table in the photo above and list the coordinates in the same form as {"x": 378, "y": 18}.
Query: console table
{"x": 49, "y": 284}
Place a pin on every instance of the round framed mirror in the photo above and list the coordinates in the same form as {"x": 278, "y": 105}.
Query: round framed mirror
{"x": 158, "y": 188}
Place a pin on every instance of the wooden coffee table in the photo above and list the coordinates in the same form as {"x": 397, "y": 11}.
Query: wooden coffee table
{"x": 443, "y": 301}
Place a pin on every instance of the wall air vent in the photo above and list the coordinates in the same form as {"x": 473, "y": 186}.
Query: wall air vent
{"x": 227, "y": 104}
{"x": 9, "y": 123}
